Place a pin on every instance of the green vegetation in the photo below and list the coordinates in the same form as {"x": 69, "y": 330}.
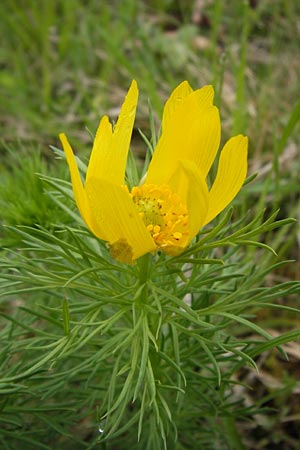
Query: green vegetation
{"x": 212, "y": 359}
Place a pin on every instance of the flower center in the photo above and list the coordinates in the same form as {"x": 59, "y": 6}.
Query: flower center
{"x": 164, "y": 215}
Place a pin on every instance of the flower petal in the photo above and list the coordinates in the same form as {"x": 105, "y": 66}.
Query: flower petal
{"x": 115, "y": 214}
{"x": 188, "y": 182}
{"x": 109, "y": 154}
{"x": 232, "y": 171}
{"x": 203, "y": 98}
{"x": 193, "y": 133}
{"x": 176, "y": 97}
{"x": 79, "y": 193}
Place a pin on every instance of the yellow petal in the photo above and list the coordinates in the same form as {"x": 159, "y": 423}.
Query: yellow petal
{"x": 79, "y": 193}
{"x": 188, "y": 182}
{"x": 177, "y": 97}
{"x": 193, "y": 133}
{"x": 232, "y": 171}
{"x": 117, "y": 217}
{"x": 109, "y": 154}
{"x": 202, "y": 98}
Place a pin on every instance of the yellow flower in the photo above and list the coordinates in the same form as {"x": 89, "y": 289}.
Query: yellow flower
{"x": 174, "y": 201}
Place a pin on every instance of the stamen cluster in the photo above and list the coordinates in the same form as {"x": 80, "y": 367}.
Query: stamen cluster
{"x": 164, "y": 215}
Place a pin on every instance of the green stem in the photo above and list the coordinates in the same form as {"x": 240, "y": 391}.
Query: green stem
{"x": 144, "y": 268}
